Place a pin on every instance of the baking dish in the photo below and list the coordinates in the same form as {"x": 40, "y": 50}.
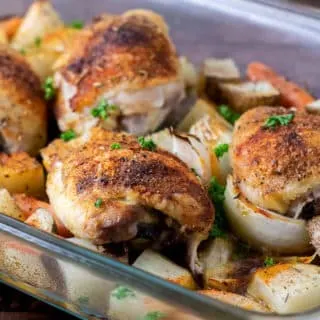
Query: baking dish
{"x": 81, "y": 281}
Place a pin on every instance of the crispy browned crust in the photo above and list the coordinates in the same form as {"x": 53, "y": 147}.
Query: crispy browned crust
{"x": 22, "y": 96}
{"x": 119, "y": 51}
{"x": 270, "y": 159}
{"x": 128, "y": 179}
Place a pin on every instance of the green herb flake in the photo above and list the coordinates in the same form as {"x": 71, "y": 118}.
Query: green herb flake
{"x": 98, "y": 203}
{"x": 227, "y": 113}
{"x": 103, "y": 109}
{"x": 49, "y": 89}
{"x": 76, "y": 24}
{"x": 37, "y": 42}
{"x": 154, "y": 315}
{"x": 122, "y": 293}
{"x": 216, "y": 193}
{"x": 268, "y": 262}
{"x": 68, "y": 135}
{"x": 83, "y": 300}
{"x": 221, "y": 149}
{"x": 278, "y": 120}
{"x": 23, "y": 51}
{"x": 147, "y": 143}
{"x": 115, "y": 146}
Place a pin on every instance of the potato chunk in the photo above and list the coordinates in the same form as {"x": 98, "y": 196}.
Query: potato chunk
{"x": 287, "y": 288}
{"x": 9, "y": 207}
{"x": 19, "y": 173}
{"x": 160, "y": 266}
{"x": 247, "y": 95}
{"x": 41, "y": 219}
{"x": 40, "y": 20}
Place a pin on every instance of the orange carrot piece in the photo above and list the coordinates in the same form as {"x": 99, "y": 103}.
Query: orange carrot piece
{"x": 29, "y": 205}
{"x": 291, "y": 94}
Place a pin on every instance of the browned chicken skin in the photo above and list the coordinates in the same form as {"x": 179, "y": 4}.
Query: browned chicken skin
{"x": 277, "y": 169}
{"x": 127, "y": 60}
{"x": 23, "y": 118}
{"x": 127, "y": 182}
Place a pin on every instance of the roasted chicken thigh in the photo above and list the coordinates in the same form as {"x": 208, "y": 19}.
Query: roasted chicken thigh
{"x": 127, "y": 62}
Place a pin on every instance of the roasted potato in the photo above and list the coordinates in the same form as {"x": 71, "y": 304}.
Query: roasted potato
{"x": 160, "y": 266}
{"x": 236, "y": 300}
{"x": 41, "y": 219}
{"x": 19, "y": 173}
{"x": 247, "y": 95}
{"x": 40, "y": 19}
{"x": 287, "y": 288}
{"x": 10, "y": 26}
{"x": 313, "y": 107}
{"x": 9, "y": 207}
{"x": 216, "y": 71}
{"x": 3, "y": 37}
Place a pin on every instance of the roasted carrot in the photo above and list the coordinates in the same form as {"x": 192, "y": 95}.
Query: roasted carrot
{"x": 291, "y": 94}
{"x": 29, "y": 205}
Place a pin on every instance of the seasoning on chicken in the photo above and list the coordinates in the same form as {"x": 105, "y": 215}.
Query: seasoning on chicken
{"x": 122, "y": 73}
{"x": 275, "y": 158}
{"x": 23, "y": 119}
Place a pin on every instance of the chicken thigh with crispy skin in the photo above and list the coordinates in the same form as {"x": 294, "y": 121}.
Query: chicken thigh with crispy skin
{"x": 23, "y": 118}
{"x": 127, "y": 61}
{"x": 278, "y": 168}
{"x": 102, "y": 194}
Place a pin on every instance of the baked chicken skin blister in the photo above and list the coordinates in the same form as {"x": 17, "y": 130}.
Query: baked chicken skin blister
{"x": 225, "y": 203}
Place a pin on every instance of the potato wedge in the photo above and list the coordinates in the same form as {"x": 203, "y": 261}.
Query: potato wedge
{"x": 10, "y": 26}
{"x": 53, "y": 46}
{"x": 247, "y": 95}
{"x": 40, "y": 19}
{"x": 235, "y": 299}
{"x": 216, "y": 71}
{"x": 9, "y": 207}
{"x": 41, "y": 219}
{"x": 160, "y": 266}
{"x": 20, "y": 173}
{"x": 287, "y": 288}
{"x": 3, "y": 37}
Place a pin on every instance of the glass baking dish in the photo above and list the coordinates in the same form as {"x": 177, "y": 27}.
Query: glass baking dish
{"x": 81, "y": 281}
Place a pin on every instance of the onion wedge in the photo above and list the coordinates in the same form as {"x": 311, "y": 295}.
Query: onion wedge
{"x": 264, "y": 229}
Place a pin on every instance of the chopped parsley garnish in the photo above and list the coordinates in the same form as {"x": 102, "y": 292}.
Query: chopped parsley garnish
{"x": 154, "y": 315}
{"x": 147, "y": 143}
{"x": 83, "y": 300}
{"x": 221, "y": 149}
{"x": 227, "y": 113}
{"x": 98, "y": 203}
{"x": 103, "y": 109}
{"x": 68, "y": 135}
{"x": 76, "y": 24}
{"x": 37, "y": 42}
{"x": 268, "y": 262}
{"x": 49, "y": 89}
{"x": 115, "y": 146}
{"x": 278, "y": 120}
{"x": 216, "y": 193}
{"x": 122, "y": 293}
{"x": 23, "y": 51}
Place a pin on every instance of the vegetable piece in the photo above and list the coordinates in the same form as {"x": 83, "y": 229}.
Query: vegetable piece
{"x": 278, "y": 120}
{"x": 268, "y": 262}
{"x": 20, "y": 173}
{"x": 41, "y": 219}
{"x": 77, "y": 24}
{"x": 147, "y": 144}
{"x": 291, "y": 95}
{"x": 103, "y": 109}
{"x": 115, "y": 146}
{"x": 122, "y": 293}
{"x": 217, "y": 71}
{"x": 40, "y": 20}
{"x": 228, "y": 114}
{"x": 212, "y": 131}
{"x": 29, "y": 205}
{"x": 49, "y": 89}
{"x": 221, "y": 149}
{"x": 9, "y": 207}
{"x": 264, "y": 229}
{"x": 68, "y": 135}
{"x": 160, "y": 266}
{"x": 314, "y": 107}
{"x": 287, "y": 288}
{"x": 235, "y": 299}
{"x": 188, "y": 149}
{"x": 10, "y": 26}
{"x": 98, "y": 203}
{"x": 247, "y": 95}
